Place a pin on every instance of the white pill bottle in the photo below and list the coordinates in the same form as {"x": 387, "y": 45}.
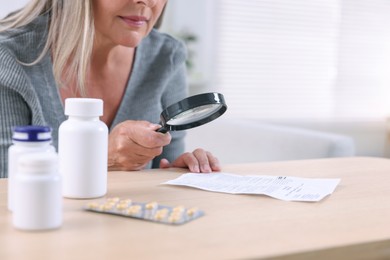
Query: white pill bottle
{"x": 83, "y": 149}
{"x": 38, "y": 199}
{"x": 26, "y": 139}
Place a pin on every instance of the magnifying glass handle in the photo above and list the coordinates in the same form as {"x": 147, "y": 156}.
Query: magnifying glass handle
{"x": 162, "y": 130}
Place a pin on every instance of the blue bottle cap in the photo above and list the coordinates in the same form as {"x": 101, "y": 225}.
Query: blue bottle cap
{"x": 31, "y": 133}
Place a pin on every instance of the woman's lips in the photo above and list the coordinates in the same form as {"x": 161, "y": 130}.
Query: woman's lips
{"x": 135, "y": 21}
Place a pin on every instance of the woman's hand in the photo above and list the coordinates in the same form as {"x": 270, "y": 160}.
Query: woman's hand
{"x": 197, "y": 161}
{"x": 133, "y": 144}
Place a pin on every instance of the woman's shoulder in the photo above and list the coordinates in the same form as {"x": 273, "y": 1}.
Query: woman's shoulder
{"x": 26, "y": 42}
{"x": 38, "y": 24}
{"x": 20, "y": 45}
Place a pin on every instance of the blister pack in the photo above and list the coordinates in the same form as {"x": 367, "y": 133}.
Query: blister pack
{"x": 151, "y": 211}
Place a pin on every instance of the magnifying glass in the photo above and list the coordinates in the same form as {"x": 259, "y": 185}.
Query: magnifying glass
{"x": 192, "y": 112}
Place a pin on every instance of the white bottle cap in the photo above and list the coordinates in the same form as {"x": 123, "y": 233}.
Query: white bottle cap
{"x": 38, "y": 163}
{"x": 83, "y": 107}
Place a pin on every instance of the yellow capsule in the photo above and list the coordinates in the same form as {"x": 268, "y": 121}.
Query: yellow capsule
{"x": 178, "y": 209}
{"x": 122, "y": 206}
{"x": 92, "y": 205}
{"x": 126, "y": 201}
{"x": 192, "y": 211}
{"x": 133, "y": 210}
{"x": 173, "y": 218}
{"x": 151, "y": 205}
{"x": 107, "y": 206}
{"x": 161, "y": 214}
{"x": 114, "y": 200}
{"x": 177, "y": 214}
{"x": 163, "y": 211}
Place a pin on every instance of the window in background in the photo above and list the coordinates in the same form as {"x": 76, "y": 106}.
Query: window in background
{"x": 282, "y": 59}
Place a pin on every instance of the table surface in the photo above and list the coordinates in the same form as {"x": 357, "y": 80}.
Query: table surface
{"x": 352, "y": 223}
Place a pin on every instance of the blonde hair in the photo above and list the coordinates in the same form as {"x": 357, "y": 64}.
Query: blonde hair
{"x": 70, "y": 36}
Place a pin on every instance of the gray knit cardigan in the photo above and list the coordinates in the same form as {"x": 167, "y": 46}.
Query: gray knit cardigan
{"x": 29, "y": 94}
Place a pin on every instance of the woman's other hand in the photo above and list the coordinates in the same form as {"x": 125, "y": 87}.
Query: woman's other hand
{"x": 198, "y": 161}
{"x": 133, "y": 144}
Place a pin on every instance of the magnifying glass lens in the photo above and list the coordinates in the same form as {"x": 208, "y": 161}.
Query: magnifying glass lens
{"x": 192, "y": 112}
{"x": 195, "y": 114}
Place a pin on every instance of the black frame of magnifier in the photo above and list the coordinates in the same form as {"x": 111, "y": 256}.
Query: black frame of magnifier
{"x": 190, "y": 103}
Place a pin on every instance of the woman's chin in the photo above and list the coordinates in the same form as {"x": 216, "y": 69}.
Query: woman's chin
{"x": 132, "y": 40}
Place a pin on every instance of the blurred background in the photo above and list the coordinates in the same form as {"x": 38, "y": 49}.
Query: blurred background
{"x": 322, "y": 65}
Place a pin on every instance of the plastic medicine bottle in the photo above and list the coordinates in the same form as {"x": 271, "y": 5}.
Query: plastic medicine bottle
{"x": 82, "y": 149}
{"x": 38, "y": 200}
{"x": 26, "y": 139}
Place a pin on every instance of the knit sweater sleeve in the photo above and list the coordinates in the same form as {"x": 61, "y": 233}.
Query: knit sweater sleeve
{"x": 17, "y": 102}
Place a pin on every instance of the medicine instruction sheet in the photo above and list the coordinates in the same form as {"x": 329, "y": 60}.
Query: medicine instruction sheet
{"x": 280, "y": 187}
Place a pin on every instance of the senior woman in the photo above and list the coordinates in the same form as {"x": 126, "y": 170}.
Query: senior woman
{"x": 55, "y": 49}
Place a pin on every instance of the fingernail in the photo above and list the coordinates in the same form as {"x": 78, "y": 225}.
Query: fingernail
{"x": 196, "y": 168}
{"x": 206, "y": 168}
{"x": 216, "y": 167}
